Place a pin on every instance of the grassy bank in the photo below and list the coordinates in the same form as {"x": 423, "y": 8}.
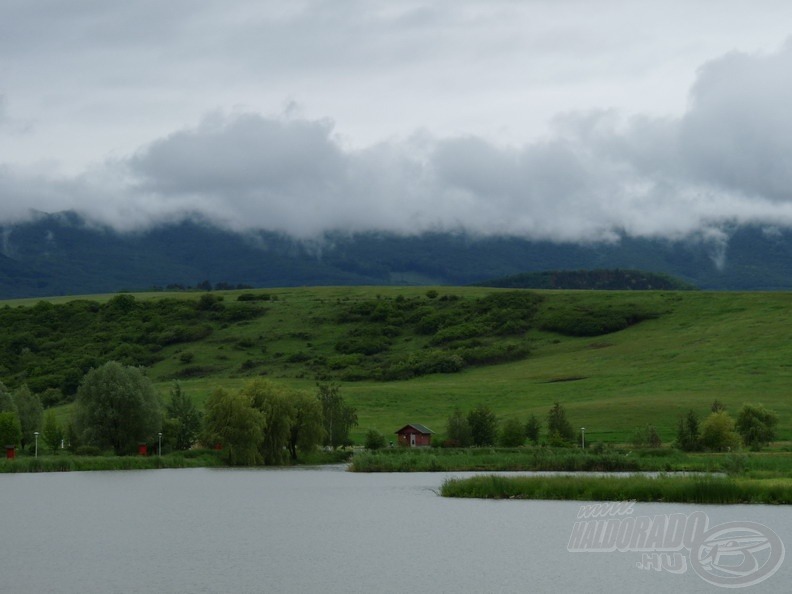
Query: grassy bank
{"x": 694, "y": 489}
{"x": 756, "y": 465}
{"x": 191, "y": 459}
{"x": 66, "y": 463}
{"x": 531, "y": 459}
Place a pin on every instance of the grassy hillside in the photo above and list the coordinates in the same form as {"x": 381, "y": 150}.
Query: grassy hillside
{"x": 674, "y": 351}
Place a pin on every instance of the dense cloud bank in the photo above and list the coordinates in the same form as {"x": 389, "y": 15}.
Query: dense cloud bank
{"x": 727, "y": 160}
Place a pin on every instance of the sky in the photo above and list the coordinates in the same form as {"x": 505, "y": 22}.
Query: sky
{"x": 562, "y": 120}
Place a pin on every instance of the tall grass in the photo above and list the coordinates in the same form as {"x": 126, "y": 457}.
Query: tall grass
{"x": 188, "y": 459}
{"x": 536, "y": 459}
{"x": 66, "y": 463}
{"x": 690, "y": 489}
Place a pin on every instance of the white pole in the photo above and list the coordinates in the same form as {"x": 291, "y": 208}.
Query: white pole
{"x": 35, "y": 434}
{"x": 159, "y": 445}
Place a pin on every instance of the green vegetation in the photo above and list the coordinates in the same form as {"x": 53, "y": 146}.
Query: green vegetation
{"x": 695, "y": 347}
{"x": 717, "y": 433}
{"x": 337, "y": 417}
{"x": 264, "y": 422}
{"x": 51, "y": 346}
{"x": 696, "y": 489}
{"x": 559, "y": 428}
{"x": 512, "y": 434}
{"x": 52, "y": 433}
{"x": 196, "y": 458}
{"x": 66, "y": 462}
{"x": 766, "y": 465}
{"x": 374, "y": 440}
{"x": 458, "y": 431}
{"x": 483, "y": 425}
{"x": 527, "y": 459}
{"x": 234, "y": 426}
{"x": 183, "y": 421}
{"x": 117, "y": 407}
{"x": 10, "y": 429}
{"x": 30, "y": 413}
{"x": 600, "y": 280}
{"x": 756, "y": 425}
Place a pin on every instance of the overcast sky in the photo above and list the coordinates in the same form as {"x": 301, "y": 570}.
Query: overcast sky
{"x": 571, "y": 120}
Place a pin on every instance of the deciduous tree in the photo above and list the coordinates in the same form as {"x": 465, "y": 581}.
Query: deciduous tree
{"x": 717, "y": 432}
{"x": 338, "y": 418}
{"x": 483, "y": 425}
{"x": 117, "y": 407}
{"x": 277, "y": 416}
{"x": 688, "y": 434}
{"x": 52, "y": 432}
{"x": 558, "y": 427}
{"x": 29, "y": 411}
{"x": 756, "y": 425}
{"x": 307, "y": 430}
{"x": 458, "y": 430}
{"x": 532, "y": 429}
{"x": 10, "y": 429}
{"x": 374, "y": 440}
{"x": 185, "y": 425}
{"x": 231, "y": 422}
{"x": 512, "y": 434}
{"x": 6, "y": 400}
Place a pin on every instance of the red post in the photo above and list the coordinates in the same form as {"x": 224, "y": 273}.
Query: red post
{"x": 142, "y": 449}
{"x": 10, "y": 452}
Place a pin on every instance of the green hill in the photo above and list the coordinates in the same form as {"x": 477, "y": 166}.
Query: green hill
{"x": 616, "y": 360}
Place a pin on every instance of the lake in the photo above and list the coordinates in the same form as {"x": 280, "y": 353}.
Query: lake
{"x": 320, "y": 530}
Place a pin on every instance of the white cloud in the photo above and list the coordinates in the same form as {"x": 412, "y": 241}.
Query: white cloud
{"x": 478, "y": 81}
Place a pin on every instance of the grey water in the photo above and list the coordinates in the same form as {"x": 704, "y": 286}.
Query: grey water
{"x": 319, "y": 530}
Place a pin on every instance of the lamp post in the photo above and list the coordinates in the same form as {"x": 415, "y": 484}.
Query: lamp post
{"x": 35, "y": 435}
{"x": 159, "y": 444}
{"x": 583, "y": 438}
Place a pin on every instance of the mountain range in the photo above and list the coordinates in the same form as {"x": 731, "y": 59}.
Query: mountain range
{"x": 65, "y": 254}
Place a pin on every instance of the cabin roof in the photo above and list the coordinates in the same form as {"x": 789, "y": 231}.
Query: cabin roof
{"x": 418, "y": 427}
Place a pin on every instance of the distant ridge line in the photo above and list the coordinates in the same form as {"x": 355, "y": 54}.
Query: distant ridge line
{"x": 600, "y": 279}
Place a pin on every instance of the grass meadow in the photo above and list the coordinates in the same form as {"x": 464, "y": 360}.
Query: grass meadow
{"x": 701, "y": 346}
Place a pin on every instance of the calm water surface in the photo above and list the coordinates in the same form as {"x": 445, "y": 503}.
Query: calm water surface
{"x": 312, "y": 530}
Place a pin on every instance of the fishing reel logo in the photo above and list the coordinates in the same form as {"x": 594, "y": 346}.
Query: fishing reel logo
{"x": 737, "y": 554}
{"x": 729, "y": 555}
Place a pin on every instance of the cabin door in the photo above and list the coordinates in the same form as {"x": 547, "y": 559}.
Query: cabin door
{"x": 412, "y": 440}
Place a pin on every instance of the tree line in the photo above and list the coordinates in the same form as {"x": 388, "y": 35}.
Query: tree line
{"x": 117, "y": 408}
{"x": 754, "y": 428}
{"x": 480, "y": 427}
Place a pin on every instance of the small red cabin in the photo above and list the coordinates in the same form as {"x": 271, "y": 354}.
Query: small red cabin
{"x": 415, "y": 435}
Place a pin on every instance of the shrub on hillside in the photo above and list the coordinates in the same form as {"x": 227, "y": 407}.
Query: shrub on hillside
{"x": 585, "y": 321}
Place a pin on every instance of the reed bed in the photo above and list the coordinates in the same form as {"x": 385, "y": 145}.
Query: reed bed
{"x": 526, "y": 459}
{"x": 188, "y": 459}
{"x": 670, "y": 489}
{"x": 67, "y": 463}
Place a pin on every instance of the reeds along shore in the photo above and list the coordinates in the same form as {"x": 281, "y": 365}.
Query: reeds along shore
{"x": 188, "y": 459}
{"x": 669, "y": 489}
{"x": 544, "y": 459}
